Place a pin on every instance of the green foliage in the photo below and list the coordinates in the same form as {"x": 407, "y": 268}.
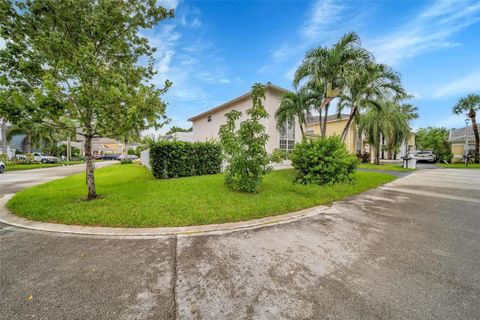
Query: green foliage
{"x": 244, "y": 149}
{"x": 3, "y": 158}
{"x": 174, "y": 129}
{"x": 435, "y": 139}
{"x": 138, "y": 150}
{"x": 131, "y": 152}
{"x": 183, "y": 159}
{"x": 323, "y": 160}
{"x": 126, "y": 161}
{"x": 59, "y": 151}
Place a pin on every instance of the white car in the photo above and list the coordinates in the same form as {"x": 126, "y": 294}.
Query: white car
{"x": 40, "y": 157}
{"x": 426, "y": 156}
{"x": 2, "y": 167}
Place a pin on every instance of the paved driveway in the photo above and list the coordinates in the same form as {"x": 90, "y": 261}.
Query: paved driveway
{"x": 407, "y": 251}
{"x": 13, "y": 181}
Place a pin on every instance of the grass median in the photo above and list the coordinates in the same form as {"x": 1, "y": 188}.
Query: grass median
{"x": 384, "y": 166}
{"x": 131, "y": 197}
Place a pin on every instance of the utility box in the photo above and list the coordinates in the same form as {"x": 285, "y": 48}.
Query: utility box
{"x": 409, "y": 161}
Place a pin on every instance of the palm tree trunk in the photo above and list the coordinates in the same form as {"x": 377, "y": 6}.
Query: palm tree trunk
{"x": 383, "y": 143}
{"x": 4, "y": 137}
{"x": 349, "y": 123}
{"x": 472, "y": 115}
{"x": 320, "y": 123}
{"x": 377, "y": 150}
{"x": 90, "y": 169}
{"x": 301, "y": 129}
{"x": 125, "y": 148}
{"x": 69, "y": 148}
{"x": 325, "y": 116}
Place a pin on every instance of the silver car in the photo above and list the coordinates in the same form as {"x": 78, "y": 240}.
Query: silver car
{"x": 426, "y": 156}
{"x": 2, "y": 167}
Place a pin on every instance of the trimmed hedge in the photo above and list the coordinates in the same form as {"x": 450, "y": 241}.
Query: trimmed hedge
{"x": 184, "y": 159}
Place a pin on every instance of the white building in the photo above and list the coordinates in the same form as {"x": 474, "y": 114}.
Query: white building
{"x": 207, "y": 124}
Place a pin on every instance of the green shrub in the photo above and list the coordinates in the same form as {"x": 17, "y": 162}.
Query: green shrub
{"x": 126, "y": 161}
{"x": 131, "y": 152}
{"x": 322, "y": 161}
{"x": 3, "y": 158}
{"x": 183, "y": 159}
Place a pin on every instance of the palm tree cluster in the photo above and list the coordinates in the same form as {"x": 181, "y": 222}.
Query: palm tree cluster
{"x": 471, "y": 104}
{"x": 348, "y": 73}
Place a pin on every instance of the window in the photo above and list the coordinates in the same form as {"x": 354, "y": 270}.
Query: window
{"x": 209, "y": 118}
{"x": 287, "y": 136}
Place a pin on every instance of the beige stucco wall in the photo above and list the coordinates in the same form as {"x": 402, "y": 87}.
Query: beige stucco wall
{"x": 208, "y": 131}
{"x": 336, "y": 127}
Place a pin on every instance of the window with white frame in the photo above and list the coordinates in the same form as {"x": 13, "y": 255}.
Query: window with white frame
{"x": 287, "y": 136}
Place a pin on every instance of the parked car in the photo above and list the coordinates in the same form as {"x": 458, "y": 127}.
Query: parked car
{"x": 107, "y": 157}
{"x": 128, "y": 157}
{"x": 21, "y": 157}
{"x": 40, "y": 157}
{"x": 426, "y": 156}
{"x": 2, "y": 167}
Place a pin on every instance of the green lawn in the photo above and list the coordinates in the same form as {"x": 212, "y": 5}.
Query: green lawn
{"x": 459, "y": 165}
{"x": 131, "y": 197}
{"x": 386, "y": 166}
{"x": 16, "y": 167}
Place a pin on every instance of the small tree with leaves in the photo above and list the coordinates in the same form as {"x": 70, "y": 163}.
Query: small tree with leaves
{"x": 244, "y": 149}
{"x": 80, "y": 60}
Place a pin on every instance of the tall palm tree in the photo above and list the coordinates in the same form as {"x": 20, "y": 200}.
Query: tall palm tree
{"x": 365, "y": 88}
{"x": 471, "y": 104}
{"x": 293, "y": 105}
{"x": 326, "y": 67}
{"x": 410, "y": 112}
{"x": 36, "y": 135}
{"x": 387, "y": 121}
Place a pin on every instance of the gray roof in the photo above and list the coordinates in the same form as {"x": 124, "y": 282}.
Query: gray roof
{"x": 458, "y": 135}
{"x": 269, "y": 85}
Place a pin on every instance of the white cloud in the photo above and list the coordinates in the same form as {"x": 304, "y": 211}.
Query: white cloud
{"x": 466, "y": 84}
{"x": 429, "y": 30}
{"x": 225, "y": 81}
{"x": 324, "y": 14}
{"x": 169, "y": 4}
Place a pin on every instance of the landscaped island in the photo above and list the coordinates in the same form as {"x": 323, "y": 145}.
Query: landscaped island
{"x": 131, "y": 197}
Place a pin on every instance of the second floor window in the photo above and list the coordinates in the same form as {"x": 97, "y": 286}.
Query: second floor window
{"x": 209, "y": 118}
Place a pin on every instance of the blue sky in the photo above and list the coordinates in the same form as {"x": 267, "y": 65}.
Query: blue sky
{"x": 214, "y": 51}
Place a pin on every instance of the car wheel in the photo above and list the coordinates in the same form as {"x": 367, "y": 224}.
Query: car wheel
{"x": 44, "y": 160}
{"x": 2, "y": 169}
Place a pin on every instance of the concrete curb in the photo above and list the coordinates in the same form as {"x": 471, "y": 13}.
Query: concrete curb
{"x": 9, "y": 218}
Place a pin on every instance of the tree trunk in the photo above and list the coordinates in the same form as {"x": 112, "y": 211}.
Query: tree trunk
{"x": 28, "y": 143}
{"x": 377, "y": 150}
{"x": 320, "y": 123}
{"x": 301, "y": 130}
{"x": 69, "y": 148}
{"x": 4, "y": 137}
{"x": 383, "y": 144}
{"x": 90, "y": 169}
{"x": 349, "y": 123}
{"x": 125, "y": 148}
{"x": 325, "y": 116}
{"x": 472, "y": 115}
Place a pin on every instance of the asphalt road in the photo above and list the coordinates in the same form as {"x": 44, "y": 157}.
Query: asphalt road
{"x": 407, "y": 251}
{"x": 13, "y": 181}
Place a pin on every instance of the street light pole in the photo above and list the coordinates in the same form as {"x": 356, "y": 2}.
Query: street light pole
{"x": 466, "y": 141}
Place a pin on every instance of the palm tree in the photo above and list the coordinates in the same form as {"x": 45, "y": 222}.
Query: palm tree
{"x": 471, "y": 104}
{"x": 293, "y": 105}
{"x": 365, "y": 88}
{"x": 326, "y": 67}
{"x": 36, "y": 135}
{"x": 387, "y": 121}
